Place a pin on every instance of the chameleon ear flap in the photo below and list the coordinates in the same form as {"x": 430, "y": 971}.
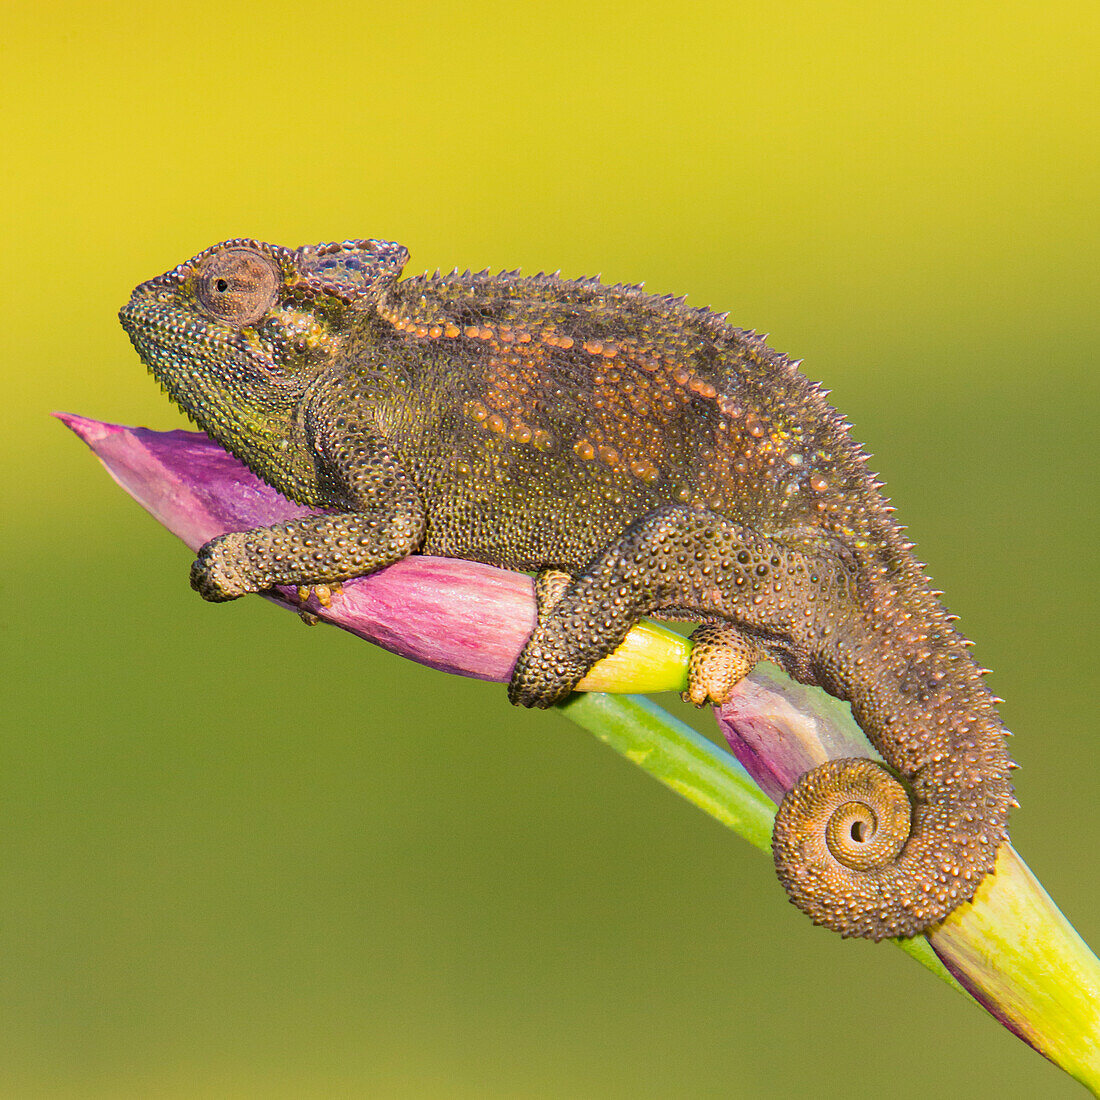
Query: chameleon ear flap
{"x": 351, "y": 270}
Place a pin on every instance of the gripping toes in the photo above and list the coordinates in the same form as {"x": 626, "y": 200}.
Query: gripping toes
{"x": 721, "y": 656}
{"x": 315, "y": 551}
{"x": 678, "y": 559}
{"x": 217, "y": 574}
{"x": 545, "y": 672}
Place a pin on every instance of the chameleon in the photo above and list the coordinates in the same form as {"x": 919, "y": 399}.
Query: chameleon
{"x": 642, "y": 458}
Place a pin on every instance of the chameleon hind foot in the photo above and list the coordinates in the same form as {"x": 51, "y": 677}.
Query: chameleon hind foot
{"x": 721, "y": 657}
{"x": 679, "y": 559}
{"x": 550, "y": 586}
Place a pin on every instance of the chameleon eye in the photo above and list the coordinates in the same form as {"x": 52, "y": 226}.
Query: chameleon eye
{"x": 237, "y": 285}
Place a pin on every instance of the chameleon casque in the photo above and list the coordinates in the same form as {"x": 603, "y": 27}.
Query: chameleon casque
{"x": 646, "y": 459}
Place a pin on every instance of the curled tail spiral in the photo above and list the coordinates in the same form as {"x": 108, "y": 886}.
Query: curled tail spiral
{"x": 866, "y": 855}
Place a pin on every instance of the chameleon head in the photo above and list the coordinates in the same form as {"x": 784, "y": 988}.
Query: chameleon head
{"x": 235, "y": 334}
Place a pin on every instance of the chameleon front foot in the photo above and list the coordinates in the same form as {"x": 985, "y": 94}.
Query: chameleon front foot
{"x": 312, "y": 553}
{"x": 218, "y": 573}
{"x": 323, "y": 594}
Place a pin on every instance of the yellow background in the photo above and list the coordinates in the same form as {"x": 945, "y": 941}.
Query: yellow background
{"x": 244, "y": 859}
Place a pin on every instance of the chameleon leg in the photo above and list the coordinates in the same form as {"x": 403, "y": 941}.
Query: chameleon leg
{"x": 315, "y": 550}
{"x": 676, "y": 557}
{"x": 721, "y": 656}
{"x": 385, "y": 523}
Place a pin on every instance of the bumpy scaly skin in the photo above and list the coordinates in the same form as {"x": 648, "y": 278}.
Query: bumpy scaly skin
{"x": 651, "y": 460}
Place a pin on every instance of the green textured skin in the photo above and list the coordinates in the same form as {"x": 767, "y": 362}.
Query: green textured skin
{"x": 668, "y": 463}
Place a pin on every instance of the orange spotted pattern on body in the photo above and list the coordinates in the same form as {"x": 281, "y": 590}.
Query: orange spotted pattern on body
{"x": 634, "y": 393}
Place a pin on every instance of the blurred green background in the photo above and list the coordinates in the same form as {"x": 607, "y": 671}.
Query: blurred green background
{"x": 245, "y": 859}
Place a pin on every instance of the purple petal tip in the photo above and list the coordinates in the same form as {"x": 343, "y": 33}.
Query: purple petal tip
{"x": 91, "y": 431}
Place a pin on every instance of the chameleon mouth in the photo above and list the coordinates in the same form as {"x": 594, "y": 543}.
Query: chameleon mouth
{"x": 148, "y": 322}
{"x": 169, "y": 341}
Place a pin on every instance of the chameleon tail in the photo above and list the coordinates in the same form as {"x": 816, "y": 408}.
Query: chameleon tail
{"x": 866, "y": 854}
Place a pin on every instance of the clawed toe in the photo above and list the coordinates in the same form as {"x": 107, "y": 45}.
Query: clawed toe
{"x": 721, "y": 657}
{"x": 542, "y": 678}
